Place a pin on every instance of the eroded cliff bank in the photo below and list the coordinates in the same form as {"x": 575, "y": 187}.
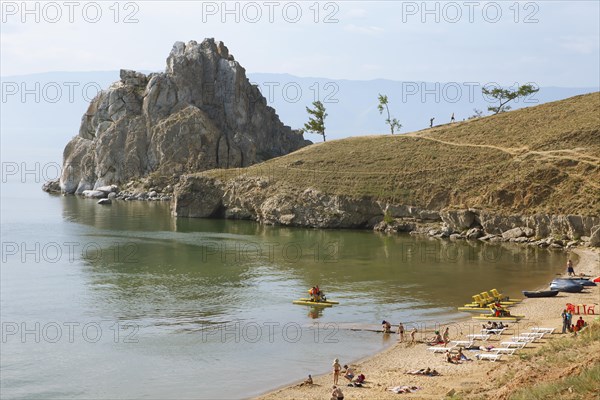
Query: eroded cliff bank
{"x": 527, "y": 176}
{"x": 258, "y": 199}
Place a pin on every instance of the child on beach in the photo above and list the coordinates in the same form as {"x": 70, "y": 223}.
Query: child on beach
{"x": 412, "y": 334}
{"x": 336, "y": 371}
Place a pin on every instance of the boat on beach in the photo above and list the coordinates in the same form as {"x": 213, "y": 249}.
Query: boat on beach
{"x": 566, "y": 286}
{"x": 581, "y": 281}
{"x": 540, "y": 293}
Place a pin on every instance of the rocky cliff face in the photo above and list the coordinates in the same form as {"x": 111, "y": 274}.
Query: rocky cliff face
{"x": 201, "y": 113}
{"x": 274, "y": 203}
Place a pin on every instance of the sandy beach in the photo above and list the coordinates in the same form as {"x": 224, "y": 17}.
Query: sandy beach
{"x": 388, "y": 368}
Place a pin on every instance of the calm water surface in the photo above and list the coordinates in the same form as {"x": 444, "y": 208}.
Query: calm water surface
{"x": 124, "y": 301}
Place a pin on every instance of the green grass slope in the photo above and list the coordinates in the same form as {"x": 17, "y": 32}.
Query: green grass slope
{"x": 540, "y": 159}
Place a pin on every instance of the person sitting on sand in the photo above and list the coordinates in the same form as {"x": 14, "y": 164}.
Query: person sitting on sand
{"x": 360, "y": 379}
{"x": 580, "y": 323}
{"x": 337, "y": 393}
{"x": 386, "y": 327}
{"x": 437, "y": 339}
{"x": 449, "y": 358}
{"x": 309, "y": 380}
{"x": 401, "y": 331}
{"x": 461, "y": 356}
{"x": 336, "y": 371}
{"x": 348, "y": 373}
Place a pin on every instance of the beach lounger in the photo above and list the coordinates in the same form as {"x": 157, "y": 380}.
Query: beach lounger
{"x": 437, "y": 349}
{"x": 461, "y": 343}
{"x": 538, "y": 335}
{"x": 504, "y": 350}
{"x": 494, "y": 331}
{"x": 479, "y": 337}
{"x": 519, "y": 345}
{"x": 528, "y": 339}
{"x": 489, "y": 357}
{"x": 549, "y": 331}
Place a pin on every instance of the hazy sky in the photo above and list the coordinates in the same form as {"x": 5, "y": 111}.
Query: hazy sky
{"x": 554, "y": 43}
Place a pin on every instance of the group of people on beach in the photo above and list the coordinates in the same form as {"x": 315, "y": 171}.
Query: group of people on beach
{"x": 440, "y": 338}
{"x": 567, "y": 319}
{"x": 348, "y": 373}
{"x": 493, "y": 327}
{"x": 386, "y": 327}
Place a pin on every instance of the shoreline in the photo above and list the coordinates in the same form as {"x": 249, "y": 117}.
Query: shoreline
{"x": 387, "y": 368}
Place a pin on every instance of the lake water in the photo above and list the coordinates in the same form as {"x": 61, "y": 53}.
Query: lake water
{"x": 124, "y": 301}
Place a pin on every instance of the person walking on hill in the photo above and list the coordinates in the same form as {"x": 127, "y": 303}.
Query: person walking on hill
{"x": 452, "y": 118}
{"x": 431, "y": 122}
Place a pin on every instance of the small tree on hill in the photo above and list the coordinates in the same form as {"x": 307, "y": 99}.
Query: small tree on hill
{"x": 316, "y": 123}
{"x": 392, "y": 122}
{"x": 505, "y": 95}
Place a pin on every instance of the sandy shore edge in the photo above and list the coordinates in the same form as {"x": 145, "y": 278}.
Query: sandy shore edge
{"x": 387, "y": 368}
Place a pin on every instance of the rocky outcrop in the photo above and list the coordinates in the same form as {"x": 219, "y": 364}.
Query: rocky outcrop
{"x": 272, "y": 202}
{"x": 201, "y": 113}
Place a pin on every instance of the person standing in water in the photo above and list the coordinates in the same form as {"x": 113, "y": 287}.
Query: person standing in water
{"x": 401, "y": 331}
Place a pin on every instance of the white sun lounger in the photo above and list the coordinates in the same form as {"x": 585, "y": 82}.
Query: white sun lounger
{"x": 479, "y": 337}
{"x": 437, "y": 349}
{"x": 494, "y": 331}
{"x": 461, "y": 343}
{"x": 489, "y": 357}
{"x": 519, "y": 345}
{"x": 544, "y": 330}
{"x": 504, "y": 350}
{"x": 528, "y": 339}
{"x": 538, "y": 335}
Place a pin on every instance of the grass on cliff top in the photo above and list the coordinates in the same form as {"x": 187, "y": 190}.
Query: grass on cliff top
{"x": 539, "y": 159}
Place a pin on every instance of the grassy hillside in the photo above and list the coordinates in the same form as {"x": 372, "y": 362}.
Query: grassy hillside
{"x": 540, "y": 159}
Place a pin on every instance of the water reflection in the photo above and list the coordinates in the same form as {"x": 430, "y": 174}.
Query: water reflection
{"x": 193, "y": 271}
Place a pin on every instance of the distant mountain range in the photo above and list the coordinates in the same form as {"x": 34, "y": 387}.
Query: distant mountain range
{"x": 42, "y": 112}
